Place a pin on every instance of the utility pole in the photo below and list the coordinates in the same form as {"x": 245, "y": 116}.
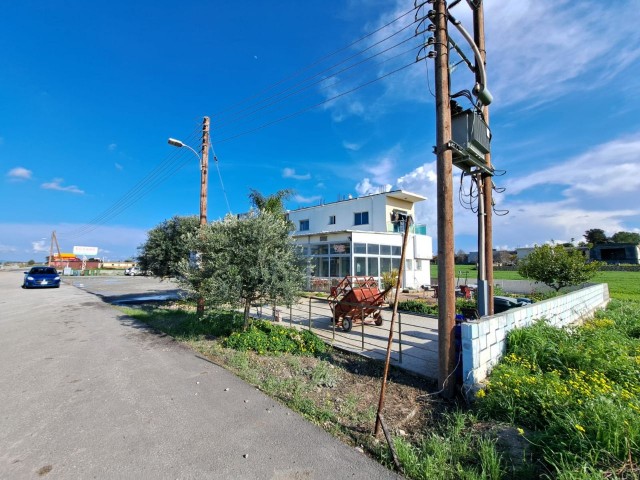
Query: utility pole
{"x": 204, "y": 172}
{"x": 485, "y": 183}
{"x": 444, "y": 186}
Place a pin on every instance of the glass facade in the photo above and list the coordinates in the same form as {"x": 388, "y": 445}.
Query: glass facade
{"x": 337, "y": 259}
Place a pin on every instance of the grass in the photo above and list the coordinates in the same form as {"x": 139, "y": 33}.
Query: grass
{"x": 622, "y": 285}
{"x": 575, "y": 392}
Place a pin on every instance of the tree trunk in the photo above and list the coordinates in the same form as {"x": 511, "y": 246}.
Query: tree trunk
{"x": 247, "y": 307}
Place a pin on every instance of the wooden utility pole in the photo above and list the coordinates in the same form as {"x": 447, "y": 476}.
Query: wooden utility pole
{"x": 444, "y": 186}
{"x": 485, "y": 182}
{"x": 204, "y": 172}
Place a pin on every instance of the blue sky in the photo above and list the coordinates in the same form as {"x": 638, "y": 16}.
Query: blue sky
{"x": 89, "y": 94}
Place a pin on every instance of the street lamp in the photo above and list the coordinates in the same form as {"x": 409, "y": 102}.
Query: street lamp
{"x": 179, "y": 144}
{"x": 204, "y": 165}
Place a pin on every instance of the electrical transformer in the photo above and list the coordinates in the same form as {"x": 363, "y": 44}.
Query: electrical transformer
{"x": 471, "y": 140}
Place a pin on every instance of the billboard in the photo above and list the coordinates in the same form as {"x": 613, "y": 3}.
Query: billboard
{"x": 86, "y": 251}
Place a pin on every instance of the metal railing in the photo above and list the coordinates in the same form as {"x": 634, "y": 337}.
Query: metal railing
{"x": 415, "y": 342}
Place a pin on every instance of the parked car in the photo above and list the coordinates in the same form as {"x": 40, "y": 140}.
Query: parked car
{"x": 502, "y": 304}
{"x": 133, "y": 271}
{"x": 41, "y": 277}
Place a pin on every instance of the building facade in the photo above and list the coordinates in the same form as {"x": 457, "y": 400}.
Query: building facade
{"x": 362, "y": 236}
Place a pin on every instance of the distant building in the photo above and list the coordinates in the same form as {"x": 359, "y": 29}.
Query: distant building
{"x": 72, "y": 261}
{"x": 616, "y": 253}
{"x": 363, "y": 236}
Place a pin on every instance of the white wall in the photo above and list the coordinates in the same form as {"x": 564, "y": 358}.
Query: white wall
{"x": 484, "y": 340}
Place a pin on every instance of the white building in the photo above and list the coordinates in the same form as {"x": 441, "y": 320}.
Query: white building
{"x": 362, "y": 236}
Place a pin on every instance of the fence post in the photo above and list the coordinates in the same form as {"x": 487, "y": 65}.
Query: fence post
{"x": 362, "y": 321}
{"x": 400, "y": 337}
{"x": 333, "y": 325}
{"x": 309, "y": 313}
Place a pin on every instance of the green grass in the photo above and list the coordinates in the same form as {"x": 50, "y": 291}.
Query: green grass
{"x": 622, "y": 285}
{"x": 575, "y": 392}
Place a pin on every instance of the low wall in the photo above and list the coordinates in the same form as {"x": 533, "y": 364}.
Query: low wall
{"x": 484, "y": 340}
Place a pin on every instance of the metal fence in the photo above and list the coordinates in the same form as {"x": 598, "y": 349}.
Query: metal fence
{"x": 415, "y": 342}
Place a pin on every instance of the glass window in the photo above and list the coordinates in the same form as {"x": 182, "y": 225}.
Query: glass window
{"x": 332, "y": 219}
{"x": 372, "y": 264}
{"x": 373, "y": 249}
{"x": 321, "y": 266}
{"x": 396, "y": 251}
{"x": 361, "y": 218}
{"x": 304, "y": 225}
{"x": 385, "y": 265}
{"x": 385, "y": 249}
{"x": 334, "y": 266}
{"x": 395, "y": 264}
{"x": 408, "y": 264}
{"x": 345, "y": 266}
{"x": 359, "y": 248}
{"x": 340, "y": 248}
{"x": 360, "y": 264}
{"x": 418, "y": 264}
{"x": 319, "y": 249}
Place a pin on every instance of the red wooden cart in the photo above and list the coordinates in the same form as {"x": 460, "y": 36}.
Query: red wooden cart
{"x": 354, "y": 300}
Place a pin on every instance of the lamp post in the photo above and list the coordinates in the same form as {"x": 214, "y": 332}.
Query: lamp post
{"x": 204, "y": 169}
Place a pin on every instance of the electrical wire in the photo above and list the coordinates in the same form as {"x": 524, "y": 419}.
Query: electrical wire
{"x": 215, "y": 160}
{"x": 173, "y": 162}
{"x": 316, "y": 62}
{"x": 296, "y": 113}
{"x": 223, "y": 124}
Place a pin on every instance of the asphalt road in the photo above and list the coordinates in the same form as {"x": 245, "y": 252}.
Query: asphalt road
{"x": 85, "y": 392}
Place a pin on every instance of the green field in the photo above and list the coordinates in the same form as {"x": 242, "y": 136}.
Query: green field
{"x": 622, "y": 285}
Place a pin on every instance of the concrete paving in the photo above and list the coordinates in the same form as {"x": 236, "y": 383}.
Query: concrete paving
{"x": 88, "y": 393}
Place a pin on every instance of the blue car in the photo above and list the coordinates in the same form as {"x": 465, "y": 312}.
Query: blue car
{"x": 41, "y": 277}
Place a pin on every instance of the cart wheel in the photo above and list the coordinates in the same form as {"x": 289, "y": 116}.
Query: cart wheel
{"x": 347, "y": 324}
{"x": 378, "y": 319}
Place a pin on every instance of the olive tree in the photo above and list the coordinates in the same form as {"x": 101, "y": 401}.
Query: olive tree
{"x": 557, "y": 266}
{"x": 166, "y": 246}
{"x": 242, "y": 261}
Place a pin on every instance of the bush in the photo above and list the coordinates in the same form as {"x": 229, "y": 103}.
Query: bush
{"x": 418, "y": 307}
{"x": 265, "y": 337}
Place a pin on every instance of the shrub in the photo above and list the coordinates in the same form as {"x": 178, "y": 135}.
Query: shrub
{"x": 265, "y": 337}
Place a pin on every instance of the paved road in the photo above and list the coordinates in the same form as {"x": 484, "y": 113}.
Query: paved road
{"x": 87, "y": 393}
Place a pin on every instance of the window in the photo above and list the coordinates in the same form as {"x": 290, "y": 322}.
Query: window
{"x": 396, "y": 250}
{"x": 373, "y": 248}
{"x": 418, "y": 265}
{"x": 304, "y": 225}
{"x": 361, "y": 218}
{"x": 372, "y": 266}
{"x": 360, "y": 264}
{"x": 332, "y": 219}
{"x": 359, "y": 248}
{"x": 409, "y": 264}
{"x": 385, "y": 249}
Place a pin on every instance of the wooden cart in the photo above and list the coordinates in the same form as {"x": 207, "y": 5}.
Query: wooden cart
{"x": 354, "y": 300}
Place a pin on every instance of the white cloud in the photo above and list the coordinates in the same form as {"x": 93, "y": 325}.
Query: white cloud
{"x": 365, "y": 187}
{"x": 56, "y": 184}
{"x": 39, "y": 246}
{"x": 7, "y": 249}
{"x": 112, "y": 147}
{"x": 312, "y": 199}
{"x": 291, "y": 173}
{"x": 541, "y": 49}
{"x": 19, "y": 173}
{"x": 610, "y": 169}
{"x": 354, "y": 147}
{"x": 118, "y": 166}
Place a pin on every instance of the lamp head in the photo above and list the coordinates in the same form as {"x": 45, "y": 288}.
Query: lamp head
{"x": 175, "y": 143}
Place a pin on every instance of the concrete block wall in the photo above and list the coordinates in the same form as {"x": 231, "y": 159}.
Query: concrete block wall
{"x": 484, "y": 340}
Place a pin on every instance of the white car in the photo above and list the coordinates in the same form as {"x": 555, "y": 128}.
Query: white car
{"x": 133, "y": 271}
